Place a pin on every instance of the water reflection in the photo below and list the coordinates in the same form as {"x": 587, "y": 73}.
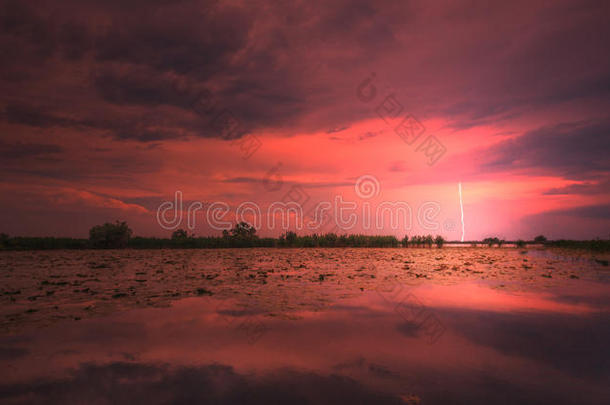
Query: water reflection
{"x": 497, "y": 347}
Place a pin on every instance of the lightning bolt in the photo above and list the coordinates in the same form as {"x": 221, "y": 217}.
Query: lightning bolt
{"x": 461, "y": 208}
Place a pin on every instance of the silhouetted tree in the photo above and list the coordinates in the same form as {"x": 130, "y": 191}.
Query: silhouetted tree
{"x": 405, "y": 241}
{"x": 179, "y": 234}
{"x": 491, "y": 241}
{"x": 243, "y": 231}
{"x": 290, "y": 238}
{"x": 110, "y": 236}
{"x": 540, "y": 239}
{"x": 440, "y": 241}
{"x": 3, "y": 240}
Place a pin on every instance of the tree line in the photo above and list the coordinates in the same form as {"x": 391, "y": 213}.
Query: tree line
{"x": 118, "y": 235}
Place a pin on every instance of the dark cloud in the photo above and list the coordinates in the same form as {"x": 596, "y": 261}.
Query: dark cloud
{"x": 601, "y": 211}
{"x": 25, "y": 150}
{"x": 244, "y": 180}
{"x": 336, "y": 129}
{"x": 180, "y": 40}
{"x": 27, "y": 40}
{"x": 253, "y": 180}
{"x": 147, "y": 127}
{"x": 601, "y": 187}
{"x": 75, "y": 40}
{"x": 135, "y": 70}
{"x": 142, "y": 87}
{"x": 34, "y": 116}
{"x": 367, "y": 135}
{"x": 583, "y": 222}
{"x": 574, "y": 150}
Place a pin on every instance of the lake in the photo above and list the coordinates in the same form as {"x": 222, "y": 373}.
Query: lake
{"x": 328, "y": 326}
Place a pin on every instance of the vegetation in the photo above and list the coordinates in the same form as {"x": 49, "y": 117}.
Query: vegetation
{"x": 179, "y": 234}
{"x": 424, "y": 240}
{"x": 491, "y": 241}
{"x": 291, "y": 239}
{"x": 3, "y": 240}
{"x": 42, "y": 243}
{"x": 494, "y": 241}
{"x": 597, "y": 245}
{"x": 241, "y": 231}
{"x": 242, "y": 235}
{"x": 540, "y": 239}
{"x": 110, "y": 236}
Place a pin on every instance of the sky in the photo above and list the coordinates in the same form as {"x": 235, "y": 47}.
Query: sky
{"x": 108, "y": 108}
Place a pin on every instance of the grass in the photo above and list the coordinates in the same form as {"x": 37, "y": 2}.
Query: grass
{"x": 287, "y": 240}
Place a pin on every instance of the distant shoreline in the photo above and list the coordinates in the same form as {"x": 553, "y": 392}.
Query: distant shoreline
{"x": 341, "y": 241}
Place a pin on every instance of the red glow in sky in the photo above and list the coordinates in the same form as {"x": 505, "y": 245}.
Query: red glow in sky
{"x": 109, "y": 108}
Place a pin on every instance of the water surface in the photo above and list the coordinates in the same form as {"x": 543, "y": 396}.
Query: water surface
{"x": 468, "y": 342}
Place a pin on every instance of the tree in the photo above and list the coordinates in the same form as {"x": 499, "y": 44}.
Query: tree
{"x": 3, "y": 240}
{"x": 520, "y": 243}
{"x": 540, "y": 239}
{"x": 243, "y": 231}
{"x": 405, "y": 241}
{"x": 110, "y": 236}
{"x": 290, "y": 238}
{"x": 491, "y": 241}
{"x": 180, "y": 234}
{"x": 440, "y": 241}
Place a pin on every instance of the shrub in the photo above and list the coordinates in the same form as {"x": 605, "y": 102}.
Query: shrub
{"x": 110, "y": 236}
{"x": 3, "y": 240}
{"x": 492, "y": 241}
{"x": 179, "y": 234}
{"x": 540, "y": 239}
